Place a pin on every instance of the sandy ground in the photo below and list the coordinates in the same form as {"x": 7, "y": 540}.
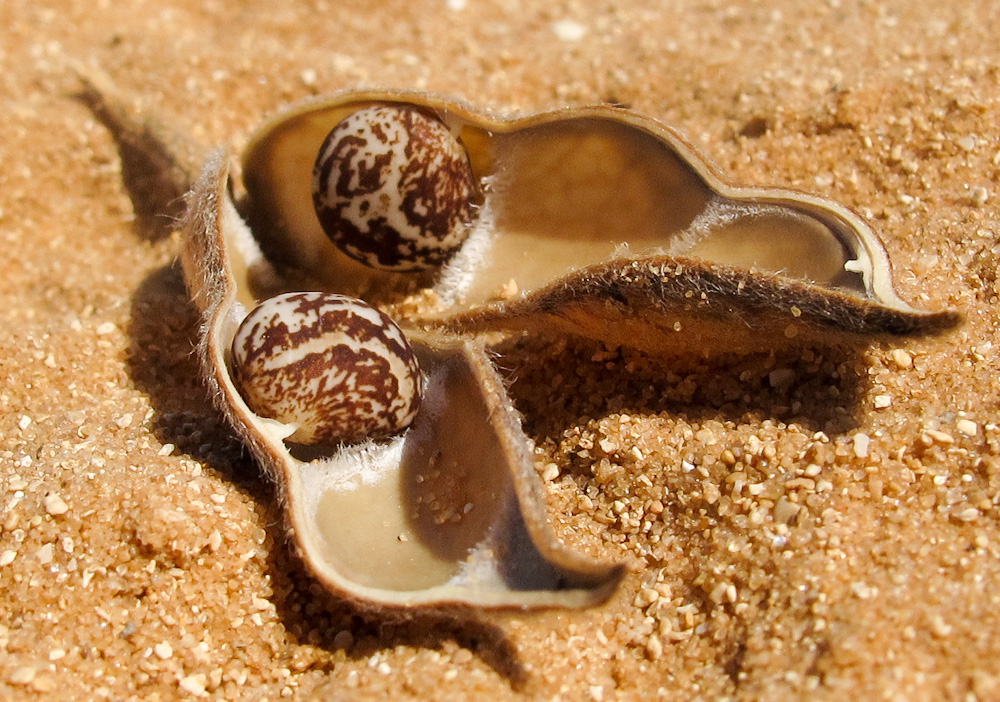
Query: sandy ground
{"x": 832, "y": 535}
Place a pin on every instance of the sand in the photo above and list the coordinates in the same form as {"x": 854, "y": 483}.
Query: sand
{"x": 812, "y": 525}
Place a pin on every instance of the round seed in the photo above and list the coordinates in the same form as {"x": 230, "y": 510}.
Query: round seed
{"x": 336, "y": 368}
{"x": 394, "y": 189}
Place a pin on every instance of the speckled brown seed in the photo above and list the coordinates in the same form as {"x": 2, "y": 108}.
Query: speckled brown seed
{"x": 394, "y": 189}
{"x": 335, "y": 367}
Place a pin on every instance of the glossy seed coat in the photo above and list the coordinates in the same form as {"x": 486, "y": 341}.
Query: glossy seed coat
{"x": 394, "y": 189}
{"x": 335, "y": 367}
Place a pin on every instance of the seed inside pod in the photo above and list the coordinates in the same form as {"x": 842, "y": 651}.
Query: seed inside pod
{"x": 394, "y": 189}
{"x": 335, "y": 367}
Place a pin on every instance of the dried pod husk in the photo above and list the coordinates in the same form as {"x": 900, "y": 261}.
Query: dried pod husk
{"x": 447, "y": 514}
{"x": 598, "y": 222}
{"x": 592, "y": 221}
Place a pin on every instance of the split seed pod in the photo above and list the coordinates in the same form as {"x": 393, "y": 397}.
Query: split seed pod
{"x": 591, "y": 221}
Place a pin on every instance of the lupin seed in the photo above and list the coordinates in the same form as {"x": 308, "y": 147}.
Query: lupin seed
{"x": 337, "y": 368}
{"x": 394, "y": 189}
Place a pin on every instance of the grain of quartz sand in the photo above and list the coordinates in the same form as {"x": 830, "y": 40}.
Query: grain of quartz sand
{"x": 804, "y": 526}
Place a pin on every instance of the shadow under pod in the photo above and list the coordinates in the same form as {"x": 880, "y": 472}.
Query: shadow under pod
{"x": 162, "y": 362}
{"x": 821, "y": 389}
{"x": 151, "y": 174}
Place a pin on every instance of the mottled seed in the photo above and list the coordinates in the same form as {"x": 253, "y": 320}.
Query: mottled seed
{"x": 394, "y": 189}
{"x": 335, "y": 367}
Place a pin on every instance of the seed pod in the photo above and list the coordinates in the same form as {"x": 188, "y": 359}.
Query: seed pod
{"x": 394, "y": 189}
{"x": 592, "y": 221}
{"x": 335, "y": 367}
